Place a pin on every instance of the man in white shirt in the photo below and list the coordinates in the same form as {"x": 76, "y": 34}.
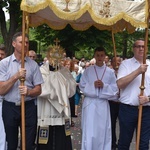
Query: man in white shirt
{"x": 129, "y": 80}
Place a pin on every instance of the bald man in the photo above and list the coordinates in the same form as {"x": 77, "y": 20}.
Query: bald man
{"x": 32, "y": 54}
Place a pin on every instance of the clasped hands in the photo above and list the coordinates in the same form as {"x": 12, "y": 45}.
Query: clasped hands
{"x": 98, "y": 84}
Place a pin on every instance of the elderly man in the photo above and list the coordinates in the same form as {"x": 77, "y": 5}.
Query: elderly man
{"x": 32, "y": 54}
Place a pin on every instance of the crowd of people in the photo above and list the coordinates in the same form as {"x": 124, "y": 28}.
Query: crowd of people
{"x": 53, "y": 90}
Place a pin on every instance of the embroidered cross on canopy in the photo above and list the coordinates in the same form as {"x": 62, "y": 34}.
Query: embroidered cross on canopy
{"x": 115, "y": 15}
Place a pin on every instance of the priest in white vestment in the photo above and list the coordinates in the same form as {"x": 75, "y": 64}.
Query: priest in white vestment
{"x": 98, "y": 84}
{"x": 53, "y": 103}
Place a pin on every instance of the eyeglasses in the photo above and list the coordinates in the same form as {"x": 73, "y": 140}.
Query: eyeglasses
{"x": 139, "y": 46}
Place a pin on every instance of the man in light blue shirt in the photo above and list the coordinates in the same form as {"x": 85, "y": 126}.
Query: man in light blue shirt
{"x": 10, "y": 73}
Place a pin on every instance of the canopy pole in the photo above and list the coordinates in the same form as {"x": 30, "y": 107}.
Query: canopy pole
{"x": 27, "y": 28}
{"x": 142, "y": 84}
{"x": 114, "y": 50}
{"x": 142, "y": 92}
{"x": 23, "y": 136}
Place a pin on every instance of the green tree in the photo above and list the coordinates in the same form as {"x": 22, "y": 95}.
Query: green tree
{"x": 82, "y": 43}
{"x": 76, "y": 42}
{"x": 13, "y": 8}
{"x": 124, "y": 42}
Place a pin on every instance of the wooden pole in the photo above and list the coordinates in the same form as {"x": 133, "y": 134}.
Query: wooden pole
{"x": 23, "y": 136}
{"x": 27, "y": 28}
{"x": 114, "y": 50}
{"x": 142, "y": 84}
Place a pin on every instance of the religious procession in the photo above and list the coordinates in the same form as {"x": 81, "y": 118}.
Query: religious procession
{"x": 60, "y": 100}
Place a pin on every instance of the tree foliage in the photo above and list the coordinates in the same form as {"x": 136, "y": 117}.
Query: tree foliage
{"x": 13, "y": 8}
{"x": 82, "y": 43}
{"x": 72, "y": 40}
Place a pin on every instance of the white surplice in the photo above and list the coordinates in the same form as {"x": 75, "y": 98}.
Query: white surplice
{"x": 96, "y": 122}
{"x": 53, "y": 103}
{"x": 2, "y": 130}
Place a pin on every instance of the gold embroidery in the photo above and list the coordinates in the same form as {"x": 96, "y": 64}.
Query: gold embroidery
{"x": 67, "y": 9}
{"x": 105, "y": 12}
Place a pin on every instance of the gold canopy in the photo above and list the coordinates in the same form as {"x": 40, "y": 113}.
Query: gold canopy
{"x": 115, "y": 15}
